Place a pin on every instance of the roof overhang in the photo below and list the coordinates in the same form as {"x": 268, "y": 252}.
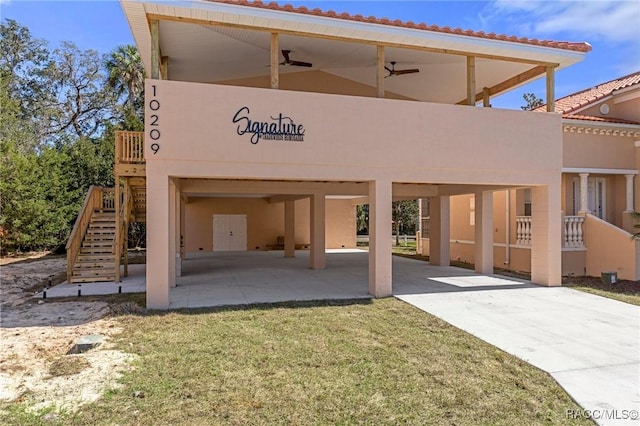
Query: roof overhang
{"x": 199, "y": 31}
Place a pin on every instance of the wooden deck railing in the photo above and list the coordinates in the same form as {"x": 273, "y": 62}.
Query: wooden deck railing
{"x": 130, "y": 147}
{"x": 97, "y": 198}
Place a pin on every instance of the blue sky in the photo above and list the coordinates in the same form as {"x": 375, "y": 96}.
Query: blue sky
{"x": 611, "y": 27}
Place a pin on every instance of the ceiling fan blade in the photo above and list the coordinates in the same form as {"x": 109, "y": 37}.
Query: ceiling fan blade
{"x": 388, "y": 69}
{"x": 285, "y": 53}
{"x": 300, "y": 64}
{"x": 410, "y": 71}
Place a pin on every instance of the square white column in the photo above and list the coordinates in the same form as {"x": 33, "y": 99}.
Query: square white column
{"x": 484, "y": 232}
{"x": 546, "y": 235}
{"x": 317, "y": 255}
{"x": 160, "y": 254}
{"x": 440, "y": 231}
{"x": 290, "y": 228}
{"x": 380, "y": 219}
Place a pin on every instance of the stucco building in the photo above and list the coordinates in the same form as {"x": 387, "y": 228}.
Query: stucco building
{"x": 600, "y": 162}
{"x": 266, "y": 121}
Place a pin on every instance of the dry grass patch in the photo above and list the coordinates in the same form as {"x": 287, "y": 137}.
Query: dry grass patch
{"x": 68, "y": 365}
{"x": 379, "y": 362}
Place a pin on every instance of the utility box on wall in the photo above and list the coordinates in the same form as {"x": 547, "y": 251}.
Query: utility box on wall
{"x": 609, "y": 277}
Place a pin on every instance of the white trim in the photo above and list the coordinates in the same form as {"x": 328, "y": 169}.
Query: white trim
{"x": 600, "y": 171}
{"x": 589, "y": 123}
{"x": 471, "y": 242}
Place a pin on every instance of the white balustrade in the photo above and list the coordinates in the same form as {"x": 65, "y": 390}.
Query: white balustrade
{"x": 523, "y": 230}
{"x": 573, "y": 232}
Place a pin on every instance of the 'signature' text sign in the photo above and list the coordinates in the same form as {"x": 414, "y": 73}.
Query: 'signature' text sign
{"x": 279, "y": 128}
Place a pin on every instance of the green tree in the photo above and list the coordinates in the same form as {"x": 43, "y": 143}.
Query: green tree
{"x": 126, "y": 76}
{"x": 405, "y": 217}
{"x": 362, "y": 218}
{"x": 78, "y": 104}
{"x": 532, "y": 102}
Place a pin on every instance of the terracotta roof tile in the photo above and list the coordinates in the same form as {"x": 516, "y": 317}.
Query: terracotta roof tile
{"x": 599, "y": 119}
{"x": 583, "y": 98}
{"x": 577, "y": 47}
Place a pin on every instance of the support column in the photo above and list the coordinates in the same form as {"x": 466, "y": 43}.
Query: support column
{"x": 275, "y": 64}
{"x": 119, "y": 223}
{"x": 546, "y": 235}
{"x": 159, "y": 253}
{"x": 177, "y": 234}
{"x": 172, "y": 232}
{"x": 317, "y": 210}
{"x": 290, "y": 228}
{"x": 486, "y": 97}
{"x": 380, "y": 219}
{"x": 471, "y": 80}
{"x": 154, "y": 28}
{"x": 551, "y": 93}
{"x": 484, "y": 232}
{"x": 439, "y": 231}
{"x": 629, "y": 181}
{"x": 380, "y": 72}
{"x": 584, "y": 193}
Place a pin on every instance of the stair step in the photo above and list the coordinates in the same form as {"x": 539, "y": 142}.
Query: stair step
{"x": 84, "y": 258}
{"x": 97, "y": 243}
{"x": 80, "y": 266}
{"x": 92, "y": 272}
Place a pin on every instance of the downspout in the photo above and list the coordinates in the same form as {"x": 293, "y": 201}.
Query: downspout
{"x": 507, "y": 246}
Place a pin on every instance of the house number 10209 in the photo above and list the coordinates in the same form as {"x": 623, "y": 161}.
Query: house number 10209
{"x": 154, "y": 133}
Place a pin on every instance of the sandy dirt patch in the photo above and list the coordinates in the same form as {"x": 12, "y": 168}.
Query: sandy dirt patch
{"x": 35, "y": 336}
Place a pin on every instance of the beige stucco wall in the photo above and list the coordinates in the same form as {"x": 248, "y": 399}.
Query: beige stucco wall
{"x": 191, "y": 133}
{"x": 610, "y": 249}
{"x": 574, "y": 262}
{"x": 582, "y": 150}
{"x": 265, "y": 222}
{"x": 627, "y": 110}
{"x": 347, "y": 137}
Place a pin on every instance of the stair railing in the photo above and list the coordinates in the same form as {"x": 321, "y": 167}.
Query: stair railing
{"x": 93, "y": 200}
{"x": 122, "y": 227}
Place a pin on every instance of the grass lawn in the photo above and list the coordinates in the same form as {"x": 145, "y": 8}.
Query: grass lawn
{"x": 633, "y": 299}
{"x": 361, "y": 362}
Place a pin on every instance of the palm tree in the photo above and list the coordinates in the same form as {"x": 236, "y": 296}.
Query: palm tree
{"x": 126, "y": 73}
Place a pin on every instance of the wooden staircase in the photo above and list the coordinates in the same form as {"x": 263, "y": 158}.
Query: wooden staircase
{"x": 96, "y": 259}
{"x": 97, "y": 246}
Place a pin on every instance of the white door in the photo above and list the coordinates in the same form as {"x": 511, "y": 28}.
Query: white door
{"x": 229, "y": 232}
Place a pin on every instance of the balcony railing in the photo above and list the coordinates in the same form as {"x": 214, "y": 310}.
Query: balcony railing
{"x": 571, "y": 234}
{"x": 523, "y": 230}
{"x": 130, "y": 147}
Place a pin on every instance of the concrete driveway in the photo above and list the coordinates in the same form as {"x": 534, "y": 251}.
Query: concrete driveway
{"x": 589, "y": 344}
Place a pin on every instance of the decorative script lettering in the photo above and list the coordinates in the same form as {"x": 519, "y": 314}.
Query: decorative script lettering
{"x": 280, "y": 128}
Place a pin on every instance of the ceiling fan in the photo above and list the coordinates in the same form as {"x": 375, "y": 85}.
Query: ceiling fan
{"x": 393, "y": 71}
{"x": 288, "y": 61}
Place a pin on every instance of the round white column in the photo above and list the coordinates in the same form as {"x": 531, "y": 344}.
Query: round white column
{"x": 629, "y": 179}
{"x": 584, "y": 187}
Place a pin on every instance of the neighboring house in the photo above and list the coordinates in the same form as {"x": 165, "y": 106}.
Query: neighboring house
{"x": 600, "y": 162}
{"x": 266, "y": 121}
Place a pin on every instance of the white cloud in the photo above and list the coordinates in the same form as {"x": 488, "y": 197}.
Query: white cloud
{"x": 607, "y": 20}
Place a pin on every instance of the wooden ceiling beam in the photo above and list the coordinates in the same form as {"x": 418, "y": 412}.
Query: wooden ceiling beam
{"x": 507, "y": 84}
